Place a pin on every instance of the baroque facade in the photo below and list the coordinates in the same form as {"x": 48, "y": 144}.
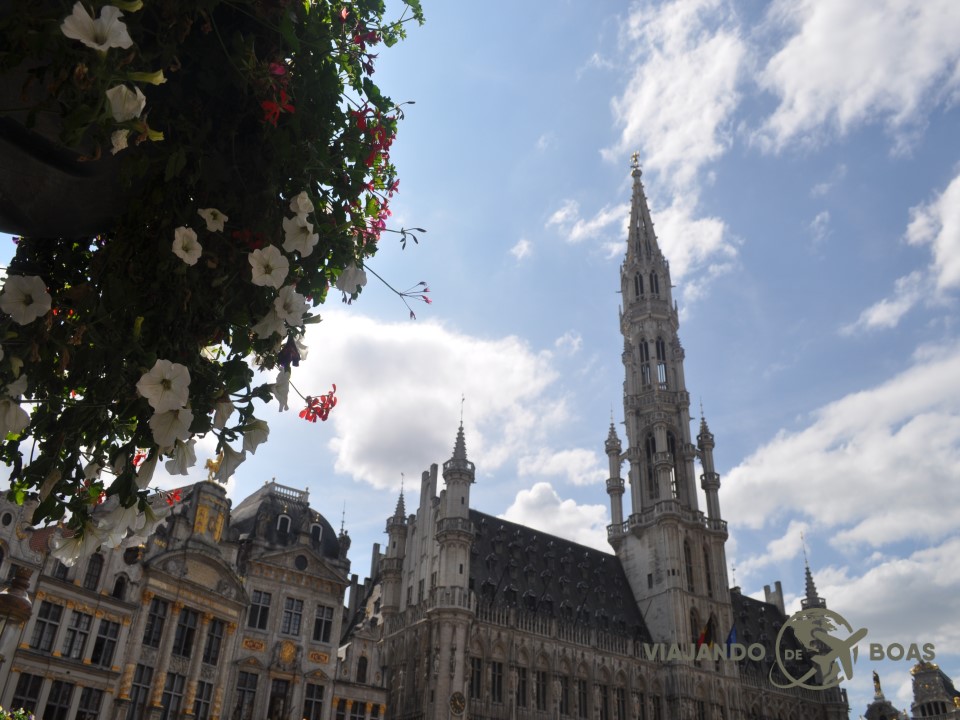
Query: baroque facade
{"x": 223, "y": 613}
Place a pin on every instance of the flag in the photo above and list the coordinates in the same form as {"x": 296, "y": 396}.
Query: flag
{"x": 731, "y": 638}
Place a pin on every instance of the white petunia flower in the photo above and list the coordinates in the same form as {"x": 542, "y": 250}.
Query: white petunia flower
{"x": 301, "y": 204}
{"x": 106, "y": 32}
{"x": 166, "y": 386}
{"x": 18, "y": 387}
{"x": 290, "y": 305}
{"x": 114, "y": 521}
{"x": 125, "y": 104}
{"x": 170, "y": 426}
{"x": 229, "y": 463}
{"x": 13, "y": 418}
{"x": 269, "y": 266}
{"x": 154, "y": 514}
{"x": 269, "y": 324}
{"x": 281, "y": 389}
{"x": 148, "y": 467}
{"x": 185, "y": 245}
{"x": 223, "y": 409}
{"x": 351, "y": 279}
{"x": 214, "y": 219}
{"x": 92, "y": 470}
{"x": 70, "y": 549}
{"x": 184, "y": 458}
{"x": 299, "y": 235}
{"x": 255, "y": 433}
{"x": 118, "y": 139}
{"x": 25, "y": 298}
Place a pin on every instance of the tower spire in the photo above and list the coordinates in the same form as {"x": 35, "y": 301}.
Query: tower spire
{"x": 642, "y": 240}
{"x": 812, "y": 600}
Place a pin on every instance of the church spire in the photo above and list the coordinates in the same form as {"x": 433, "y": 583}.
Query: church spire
{"x": 812, "y": 600}
{"x": 641, "y": 239}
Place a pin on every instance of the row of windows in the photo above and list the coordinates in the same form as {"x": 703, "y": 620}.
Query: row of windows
{"x": 653, "y": 287}
{"x": 91, "y": 577}
{"x": 59, "y": 699}
{"x": 291, "y": 620}
{"x": 77, "y": 636}
{"x": 279, "y": 701}
{"x": 606, "y": 698}
{"x": 185, "y": 634}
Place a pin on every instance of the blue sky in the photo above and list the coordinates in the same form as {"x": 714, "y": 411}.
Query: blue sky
{"x": 802, "y": 164}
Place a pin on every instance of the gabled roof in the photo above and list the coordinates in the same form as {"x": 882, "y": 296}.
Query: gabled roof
{"x": 514, "y": 565}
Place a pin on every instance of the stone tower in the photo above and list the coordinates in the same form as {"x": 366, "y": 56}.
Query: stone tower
{"x": 672, "y": 553}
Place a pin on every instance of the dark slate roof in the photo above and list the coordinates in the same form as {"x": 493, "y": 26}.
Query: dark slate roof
{"x": 256, "y": 517}
{"x": 757, "y": 621}
{"x": 514, "y": 565}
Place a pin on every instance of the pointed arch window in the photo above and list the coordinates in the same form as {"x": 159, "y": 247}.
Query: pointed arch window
{"x": 650, "y": 448}
{"x": 694, "y": 626}
{"x": 638, "y": 285}
{"x": 644, "y": 363}
{"x": 654, "y": 284}
{"x": 661, "y": 363}
{"x": 688, "y": 563}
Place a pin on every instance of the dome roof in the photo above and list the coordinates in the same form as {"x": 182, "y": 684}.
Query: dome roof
{"x": 278, "y": 515}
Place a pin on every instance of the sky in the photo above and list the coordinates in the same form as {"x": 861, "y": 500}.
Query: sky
{"x": 802, "y": 164}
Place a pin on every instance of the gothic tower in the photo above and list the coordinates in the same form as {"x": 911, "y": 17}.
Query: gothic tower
{"x": 672, "y": 552}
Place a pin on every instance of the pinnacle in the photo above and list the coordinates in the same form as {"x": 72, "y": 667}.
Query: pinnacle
{"x": 460, "y": 447}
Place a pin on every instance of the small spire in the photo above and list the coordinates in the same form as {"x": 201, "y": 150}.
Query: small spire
{"x": 812, "y": 600}
{"x": 460, "y": 446}
{"x": 641, "y": 239}
{"x": 613, "y": 442}
{"x": 401, "y": 511}
{"x": 343, "y": 517}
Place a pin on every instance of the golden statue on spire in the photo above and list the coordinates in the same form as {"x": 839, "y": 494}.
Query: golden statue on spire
{"x": 635, "y": 161}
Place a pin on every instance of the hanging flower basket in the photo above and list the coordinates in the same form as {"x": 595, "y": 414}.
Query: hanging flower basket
{"x": 202, "y": 174}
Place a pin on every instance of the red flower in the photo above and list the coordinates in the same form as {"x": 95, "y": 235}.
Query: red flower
{"x": 318, "y": 408}
{"x": 272, "y": 109}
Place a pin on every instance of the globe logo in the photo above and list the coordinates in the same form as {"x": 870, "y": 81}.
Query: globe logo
{"x": 829, "y": 650}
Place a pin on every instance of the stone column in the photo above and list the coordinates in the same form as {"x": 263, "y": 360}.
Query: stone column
{"x": 163, "y": 659}
{"x": 193, "y": 673}
{"x": 228, "y": 650}
{"x": 134, "y": 643}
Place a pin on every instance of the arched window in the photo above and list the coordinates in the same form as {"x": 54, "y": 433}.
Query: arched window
{"x": 316, "y": 532}
{"x": 119, "y": 588}
{"x": 362, "y": 669}
{"x": 662, "y": 363}
{"x": 654, "y": 284}
{"x": 650, "y": 447}
{"x": 688, "y": 562}
{"x": 283, "y": 524}
{"x": 94, "y": 567}
{"x": 694, "y": 626}
{"x": 638, "y": 285}
{"x": 706, "y": 569}
{"x": 644, "y": 363}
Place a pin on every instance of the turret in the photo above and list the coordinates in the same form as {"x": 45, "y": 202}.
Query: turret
{"x": 391, "y": 565}
{"x": 614, "y": 481}
{"x": 454, "y": 529}
{"x": 709, "y": 480}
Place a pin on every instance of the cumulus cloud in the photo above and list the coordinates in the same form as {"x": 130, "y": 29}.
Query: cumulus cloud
{"x": 678, "y": 104}
{"x": 522, "y": 249}
{"x": 579, "y": 466}
{"x": 693, "y": 244}
{"x": 542, "y": 508}
{"x": 785, "y": 547}
{"x": 569, "y": 343}
{"x": 406, "y": 380}
{"x": 873, "y": 468}
{"x": 847, "y": 63}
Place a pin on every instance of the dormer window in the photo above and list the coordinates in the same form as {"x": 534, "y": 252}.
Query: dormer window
{"x": 316, "y": 532}
{"x": 283, "y": 524}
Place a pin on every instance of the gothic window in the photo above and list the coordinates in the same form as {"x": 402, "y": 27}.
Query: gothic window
{"x": 672, "y": 449}
{"x": 661, "y": 364}
{"x": 706, "y": 568}
{"x": 650, "y": 446}
{"x": 644, "y": 363}
{"x": 654, "y": 284}
{"x": 694, "y": 626}
{"x": 540, "y": 690}
{"x": 496, "y": 681}
{"x": 521, "y": 687}
{"x": 582, "y": 711}
{"x": 604, "y": 702}
{"x": 476, "y": 678}
{"x": 94, "y": 567}
{"x": 688, "y": 563}
{"x": 620, "y": 695}
{"x": 638, "y": 285}
{"x": 564, "y": 699}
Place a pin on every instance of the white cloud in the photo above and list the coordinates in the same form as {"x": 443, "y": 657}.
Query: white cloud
{"x": 851, "y": 62}
{"x": 546, "y": 141}
{"x": 576, "y": 229}
{"x": 875, "y": 467}
{"x": 569, "y": 343}
{"x": 820, "y": 227}
{"x": 822, "y": 188}
{"x": 522, "y": 249}
{"x": 579, "y": 466}
{"x": 406, "y": 380}
{"x": 937, "y": 224}
{"x": 542, "y": 508}
{"x": 679, "y": 101}
{"x": 786, "y": 547}
{"x": 886, "y": 313}
{"x": 692, "y": 244}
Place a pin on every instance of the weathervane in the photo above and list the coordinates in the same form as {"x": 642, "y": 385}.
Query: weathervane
{"x": 635, "y": 161}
